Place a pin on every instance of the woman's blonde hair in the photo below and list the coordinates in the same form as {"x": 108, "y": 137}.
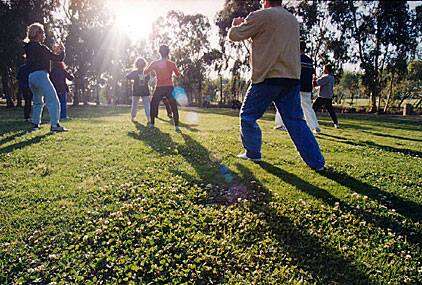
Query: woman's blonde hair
{"x": 139, "y": 61}
{"x": 33, "y": 30}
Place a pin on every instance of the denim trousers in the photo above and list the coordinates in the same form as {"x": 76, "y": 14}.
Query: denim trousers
{"x": 43, "y": 89}
{"x": 63, "y": 105}
{"x": 286, "y": 98}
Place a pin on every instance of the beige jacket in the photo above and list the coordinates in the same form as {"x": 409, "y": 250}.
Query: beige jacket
{"x": 275, "y": 43}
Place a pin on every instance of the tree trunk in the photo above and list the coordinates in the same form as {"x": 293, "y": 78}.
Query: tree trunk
{"x": 390, "y": 95}
{"x": 221, "y": 89}
{"x": 76, "y": 92}
{"x": 5, "y": 78}
{"x": 374, "y": 96}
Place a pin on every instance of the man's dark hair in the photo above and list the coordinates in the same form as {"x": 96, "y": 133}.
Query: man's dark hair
{"x": 302, "y": 46}
{"x": 329, "y": 68}
{"x": 164, "y": 50}
{"x": 275, "y": 2}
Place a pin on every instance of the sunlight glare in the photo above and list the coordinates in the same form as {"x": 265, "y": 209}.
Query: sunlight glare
{"x": 134, "y": 18}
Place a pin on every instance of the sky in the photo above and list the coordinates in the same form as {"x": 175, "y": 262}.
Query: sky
{"x": 136, "y": 16}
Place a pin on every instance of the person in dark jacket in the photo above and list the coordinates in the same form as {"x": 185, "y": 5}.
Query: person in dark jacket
{"x": 38, "y": 58}
{"x": 58, "y": 77}
{"x": 140, "y": 88}
{"x": 22, "y": 77}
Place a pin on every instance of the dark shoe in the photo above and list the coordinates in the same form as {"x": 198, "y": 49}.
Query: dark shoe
{"x": 58, "y": 129}
{"x": 35, "y": 127}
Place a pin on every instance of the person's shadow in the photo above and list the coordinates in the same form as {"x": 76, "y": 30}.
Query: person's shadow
{"x": 307, "y": 251}
{"x": 23, "y": 144}
{"x": 357, "y": 186}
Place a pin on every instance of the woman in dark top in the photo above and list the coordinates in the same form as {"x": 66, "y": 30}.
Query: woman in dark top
{"x": 38, "y": 58}
{"x": 22, "y": 77}
{"x": 140, "y": 88}
{"x": 58, "y": 76}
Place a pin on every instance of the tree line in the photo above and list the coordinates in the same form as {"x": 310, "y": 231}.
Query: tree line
{"x": 382, "y": 38}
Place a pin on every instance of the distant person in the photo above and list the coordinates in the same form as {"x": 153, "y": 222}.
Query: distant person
{"x": 22, "y": 77}
{"x": 58, "y": 77}
{"x": 164, "y": 70}
{"x": 275, "y": 64}
{"x": 140, "y": 88}
{"x": 38, "y": 58}
{"x": 326, "y": 93}
{"x": 307, "y": 71}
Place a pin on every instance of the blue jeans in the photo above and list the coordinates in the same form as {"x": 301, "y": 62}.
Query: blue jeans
{"x": 286, "y": 98}
{"x": 41, "y": 86}
{"x": 63, "y": 105}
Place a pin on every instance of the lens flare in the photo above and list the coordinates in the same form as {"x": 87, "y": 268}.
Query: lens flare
{"x": 191, "y": 118}
{"x": 179, "y": 94}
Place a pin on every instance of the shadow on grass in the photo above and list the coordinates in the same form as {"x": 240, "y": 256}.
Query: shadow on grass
{"x": 402, "y": 206}
{"x": 190, "y": 127}
{"x": 393, "y": 136}
{"x": 23, "y": 144}
{"x": 370, "y": 144}
{"x": 307, "y": 250}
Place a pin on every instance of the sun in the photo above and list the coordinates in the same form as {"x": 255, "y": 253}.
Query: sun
{"x": 134, "y": 18}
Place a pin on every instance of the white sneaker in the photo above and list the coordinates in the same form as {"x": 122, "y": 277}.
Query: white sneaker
{"x": 280, "y": 128}
{"x": 316, "y": 131}
{"x": 244, "y": 156}
{"x": 336, "y": 126}
{"x": 177, "y": 129}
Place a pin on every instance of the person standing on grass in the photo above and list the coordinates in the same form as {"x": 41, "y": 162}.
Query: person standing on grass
{"x": 140, "y": 88}
{"x": 22, "y": 77}
{"x": 326, "y": 93}
{"x": 38, "y": 58}
{"x": 58, "y": 77}
{"x": 164, "y": 70}
{"x": 307, "y": 71}
{"x": 275, "y": 64}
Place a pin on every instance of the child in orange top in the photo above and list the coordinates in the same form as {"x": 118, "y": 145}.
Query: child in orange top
{"x": 164, "y": 70}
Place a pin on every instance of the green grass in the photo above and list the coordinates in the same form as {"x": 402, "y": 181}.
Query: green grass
{"x": 114, "y": 202}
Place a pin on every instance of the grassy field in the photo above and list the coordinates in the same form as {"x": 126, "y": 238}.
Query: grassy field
{"x": 114, "y": 202}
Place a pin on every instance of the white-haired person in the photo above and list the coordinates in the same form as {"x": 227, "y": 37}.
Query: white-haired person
{"x": 140, "y": 89}
{"x": 38, "y": 58}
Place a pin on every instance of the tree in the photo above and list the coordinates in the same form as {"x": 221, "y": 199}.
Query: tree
{"x": 188, "y": 38}
{"x": 349, "y": 83}
{"x": 378, "y": 34}
{"x": 15, "y": 16}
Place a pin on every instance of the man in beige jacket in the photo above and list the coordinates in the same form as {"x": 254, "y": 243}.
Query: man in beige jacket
{"x": 275, "y": 64}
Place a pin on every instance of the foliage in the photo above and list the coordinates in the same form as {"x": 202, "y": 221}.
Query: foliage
{"x": 384, "y": 34}
{"x": 188, "y": 38}
{"x": 80, "y": 208}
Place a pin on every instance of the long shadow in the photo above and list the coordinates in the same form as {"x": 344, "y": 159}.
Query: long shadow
{"x": 393, "y": 136}
{"x": 405, "y": 151}
{"x": 23, "y": 144}
{"x": 157, "y": 140}
{"x": 190, "y": 127}
{"x": 356, "y": 186}
{"x": 300, "y": 244}
{"x": 12, "y": 137}
{"x": 337, "y": 269}
{"x": 409, "y": 209}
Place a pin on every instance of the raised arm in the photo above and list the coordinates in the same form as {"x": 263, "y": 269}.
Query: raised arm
{"x": 68, "y": 75}
{"x": 176, "y": 71}
{"x": 131, "y": 75}
{"x": 247, "y": 29}
{"x": 53, "y": 56}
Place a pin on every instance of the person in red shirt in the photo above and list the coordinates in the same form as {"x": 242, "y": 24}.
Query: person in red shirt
{"x": 164, "y": 70}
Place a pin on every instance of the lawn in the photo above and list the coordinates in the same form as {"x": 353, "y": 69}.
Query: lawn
{"x": 114, "y": 202}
